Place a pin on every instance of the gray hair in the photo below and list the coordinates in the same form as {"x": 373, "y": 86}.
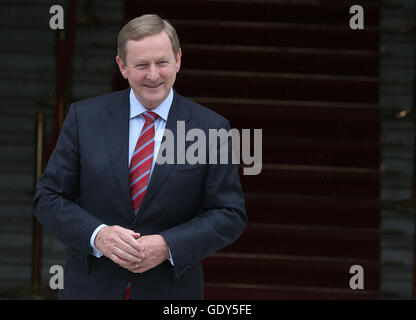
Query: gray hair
{"x": 143, "y": 26}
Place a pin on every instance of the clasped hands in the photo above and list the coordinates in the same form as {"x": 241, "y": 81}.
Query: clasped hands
{"x": 131, "y": 250}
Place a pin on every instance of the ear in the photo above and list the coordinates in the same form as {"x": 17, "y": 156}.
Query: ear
{"x": 122, "y": 67}
{"x": 178, "y": 60}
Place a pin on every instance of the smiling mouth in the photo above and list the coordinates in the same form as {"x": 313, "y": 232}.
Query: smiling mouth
{"x": 153, "y": 87}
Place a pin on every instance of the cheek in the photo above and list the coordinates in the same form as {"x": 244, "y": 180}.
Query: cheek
{"x": 169, "y": 75}
{"x": 136, "y": 77}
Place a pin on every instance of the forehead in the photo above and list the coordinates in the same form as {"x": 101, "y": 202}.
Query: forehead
{"x": 153, "y": 46}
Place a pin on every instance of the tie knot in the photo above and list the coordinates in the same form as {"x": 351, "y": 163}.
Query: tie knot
{"x": 150, "y": 116}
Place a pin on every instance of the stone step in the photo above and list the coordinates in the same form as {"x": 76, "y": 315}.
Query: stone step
{"x": 44, "y": 43}
{"x": 15, "y": 240}
{"x": 22, "y": 211}
{"x": 396, "y": 144}
{"x": 257, "y": 85}
{"x": 399, "y": 168}
{"x": 392, "y": 271}
{"x": 44, "y": 79}
{"x": 16, "y": 180}
{"x": 10, "y": 152}
{"x": 396, "y": 141}
{"x": 287, "y": 270}
{"x": 29, "y": 62}
{"x": 396, "y": 183}
{"x": 397, "y": 74}
{"x": 30, "y": 46}
{"x": 396, "y": 194}
{"x": 397, "y": 279}
{"x": 16, "y": 224}
{"x": 17, "y": 166}
{"x": 30, "y": 112}
{"x": 395, "y": 238}
{"x": 101, "y": 35}
{"x": 14, "y": 196}
{"x": 393, "y": 288}
{"x": 16, "y": 269}
{"x": 308, "y": 12}
{"x": 398, "y": 155}
{"x": 275, "y": 59}
{"x": 396, "y": 211}
{"x": 90, "y": 89}
{"x": 36, "y": 63}
{"x": 390, "y": 88}
{"x": 20, "y": 137}
{"x": 397, "y": 125}
{"x": 21, "y": 238}
{"x": 93, "y": 64}
{"x": 22, "y": 270}
{"x": 397, "y": 289}
{"x": 43, "y": 37}
{"x": 51, "y": 250}
{"x": 33, "y": 87}
{"x": 401, "y": 102}
{"x": 17, "y": 123}
{"x": 397, "y": 255}
{"x": 22, "y": 105}
{"x": 37, "y": 13}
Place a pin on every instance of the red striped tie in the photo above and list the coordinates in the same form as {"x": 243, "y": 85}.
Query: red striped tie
{"x": 140, "y": 167}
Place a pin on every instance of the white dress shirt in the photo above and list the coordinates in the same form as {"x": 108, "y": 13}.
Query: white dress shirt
{"x": 135, "y": 127}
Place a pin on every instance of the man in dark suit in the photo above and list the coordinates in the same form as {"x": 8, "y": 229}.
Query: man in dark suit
{"x": 138, "y": 229}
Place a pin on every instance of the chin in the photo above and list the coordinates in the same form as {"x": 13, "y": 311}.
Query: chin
{"x": 151, "y": 104}
{"x": 155, "y": 99}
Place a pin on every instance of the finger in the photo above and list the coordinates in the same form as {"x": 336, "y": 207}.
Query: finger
{"x": 135, "y": 248}
{"x": 138, "y": 242}
{"x": 122, "y": 262}
{"x": 119, "y": 261}
{"x": 126, "y": 233}
{"x": 136, "y": 235}
{"x": 142, "y": 242}
{"x": 125, "y": 256}
{"x": 128, "y": 244}
{"x": 135, "y": 267}
{"x": 133, "y": 234}
{"x": 127, "y": 252}
{"x": 143, "y": 269}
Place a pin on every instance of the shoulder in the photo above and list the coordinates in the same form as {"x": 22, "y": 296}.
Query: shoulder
{"x": 201, "y": 113}
{"x": 97, "y": 103}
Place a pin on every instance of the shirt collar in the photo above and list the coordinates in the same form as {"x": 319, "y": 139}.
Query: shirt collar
{"x": 162, "y": 110}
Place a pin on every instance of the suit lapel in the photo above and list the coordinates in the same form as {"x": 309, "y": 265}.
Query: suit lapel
{"x": 116, "y": 127}
{"x": 178, "y": 112}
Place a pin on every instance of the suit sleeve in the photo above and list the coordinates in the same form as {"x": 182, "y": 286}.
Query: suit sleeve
{"x": 55, "y": 202}
{"x": 220, "y": 222}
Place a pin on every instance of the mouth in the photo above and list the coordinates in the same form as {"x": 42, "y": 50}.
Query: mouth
{"x": 153, "y": 86}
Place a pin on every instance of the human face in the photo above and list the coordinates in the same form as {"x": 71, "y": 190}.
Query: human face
{"x": 150, "y": 68}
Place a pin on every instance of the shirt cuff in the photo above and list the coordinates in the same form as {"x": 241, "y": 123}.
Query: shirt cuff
{"x": 93, "y": 250}
{"x": 170, "y": 258}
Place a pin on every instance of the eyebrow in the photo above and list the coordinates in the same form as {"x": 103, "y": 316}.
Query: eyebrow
{"x": 138, "y": 60}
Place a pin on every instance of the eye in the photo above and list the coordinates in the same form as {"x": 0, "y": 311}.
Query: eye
{"x": 163, "y": 62}
{"x": 141, "y": 65}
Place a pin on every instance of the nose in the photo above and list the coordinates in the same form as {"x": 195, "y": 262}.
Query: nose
{"x": 153, "y": 74}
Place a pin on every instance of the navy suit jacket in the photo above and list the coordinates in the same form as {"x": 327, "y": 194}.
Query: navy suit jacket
{"x": 198, "y": 208}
